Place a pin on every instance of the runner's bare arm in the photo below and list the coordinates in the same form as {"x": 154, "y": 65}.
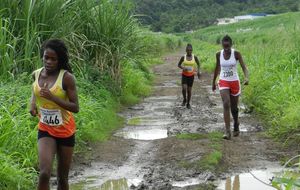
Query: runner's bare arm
{"x": 198, "y": 63}
{"x": 244, "y": 67}
{"x": 180, "y": 62}
{"x": 217, "y": 71}
{"x": 198, "y": 66}
{"x": 70, "y": 88}
{"x": 33, "y": 109}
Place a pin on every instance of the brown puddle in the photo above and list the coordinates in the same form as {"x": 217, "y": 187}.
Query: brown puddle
{"x": 143, "y": 134}
{"x": 150, "y": 121}
{"x": 115, "y": 184}
{"x": 254, "y": 180}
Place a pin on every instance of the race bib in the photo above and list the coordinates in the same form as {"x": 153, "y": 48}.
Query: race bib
{"x": 228, "y": 72}
{"x": 51, "y": 117}
{"x": 189, "y": 68}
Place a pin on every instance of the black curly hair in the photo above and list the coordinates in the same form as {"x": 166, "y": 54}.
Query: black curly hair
{"x": 189, "y": 45}
{"x": 227, "y": 38}
{"x": 61, "y": 50}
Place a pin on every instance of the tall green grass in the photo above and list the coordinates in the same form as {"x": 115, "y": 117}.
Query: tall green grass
{"x": 271, "y": 49}
{"x": 18, "y": 150}
{"x": 102, "y": 33}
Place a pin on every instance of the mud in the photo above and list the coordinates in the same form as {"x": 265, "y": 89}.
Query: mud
{"x": 146, "y": 154}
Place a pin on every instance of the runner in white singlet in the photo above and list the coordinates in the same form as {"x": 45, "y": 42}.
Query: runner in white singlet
{"x": 228, "y": 67}
{"x": 229, "y": 83}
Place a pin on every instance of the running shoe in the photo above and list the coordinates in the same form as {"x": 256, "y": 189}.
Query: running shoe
{"x": 183, "y": 103}
{"x": 236, "y": 130}
{"x": 188, "y": 106}
{"x": 227, "y": 135}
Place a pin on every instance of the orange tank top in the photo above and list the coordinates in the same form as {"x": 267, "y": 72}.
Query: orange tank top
{"x": 53, "y": 119}
{"x": 190, "y": 66}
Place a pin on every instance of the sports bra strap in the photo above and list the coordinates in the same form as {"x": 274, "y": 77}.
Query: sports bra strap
{"x": 60, "y": 78}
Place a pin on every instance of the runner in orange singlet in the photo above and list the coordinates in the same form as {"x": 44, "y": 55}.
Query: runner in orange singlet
{"x": 54, "y": 98}
{"x": 190, "y": 65}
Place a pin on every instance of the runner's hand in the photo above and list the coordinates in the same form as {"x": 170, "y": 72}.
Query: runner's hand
{"x": 45, "y": 92}
{"x": 199, "y": 75}
{"x": 33, "y": 110}
{"x": 246, "y": 81}
{"x": 214, "y": 87}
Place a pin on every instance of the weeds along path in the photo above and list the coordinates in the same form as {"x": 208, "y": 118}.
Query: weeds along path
{"x": 166, "y": 146}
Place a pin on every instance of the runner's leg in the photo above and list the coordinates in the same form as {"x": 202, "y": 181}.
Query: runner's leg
{"x": 184, "y": 89}
{"x": 225, "y": 94}
{"x": 46, "y": 151}
{"x": 235, "y": 113}
{"x": 189, "y": 92}
{"x": 64, "y": 159}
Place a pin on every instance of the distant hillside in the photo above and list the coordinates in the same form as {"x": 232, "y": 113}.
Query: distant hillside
{"x": 186, "y": 15}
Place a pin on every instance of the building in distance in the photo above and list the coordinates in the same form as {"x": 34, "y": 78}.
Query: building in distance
{"x": 252, "y": 16}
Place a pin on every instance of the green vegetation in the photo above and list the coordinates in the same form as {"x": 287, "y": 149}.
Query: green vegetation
{"x": 289, "y": 180}
{"x": 192, "y": 136}
{"x": 110, "y": 55}
{"x": 211, "y": 160}
{"x": 134, "y": 121}
{"x": 18, "y": 138}
{"x": 187, "y": 15}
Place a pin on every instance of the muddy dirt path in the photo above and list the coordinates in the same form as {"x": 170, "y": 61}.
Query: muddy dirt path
{"x": 146, "y": 154}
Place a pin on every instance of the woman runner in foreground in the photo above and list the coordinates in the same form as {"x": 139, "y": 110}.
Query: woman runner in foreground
{"x": 54, "y": 98}
{"x": 189, "y": 63}
{"x": 229, "y": 83}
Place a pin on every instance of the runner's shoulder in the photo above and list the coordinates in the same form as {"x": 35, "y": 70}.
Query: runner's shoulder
{"x": 34, "y": 72}
{"x": 237, "y": 53}
{"x": 196, "y": 59}
{"x": 68, "y": 77}
{"x": 218, "y": 53}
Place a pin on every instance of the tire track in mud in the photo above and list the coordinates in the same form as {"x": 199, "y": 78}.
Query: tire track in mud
{"x": 146, "y": 154}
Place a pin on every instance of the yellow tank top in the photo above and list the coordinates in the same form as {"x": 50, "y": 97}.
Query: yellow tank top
{"x": 190, "y": 65}
{"x": 53, "y": 118}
